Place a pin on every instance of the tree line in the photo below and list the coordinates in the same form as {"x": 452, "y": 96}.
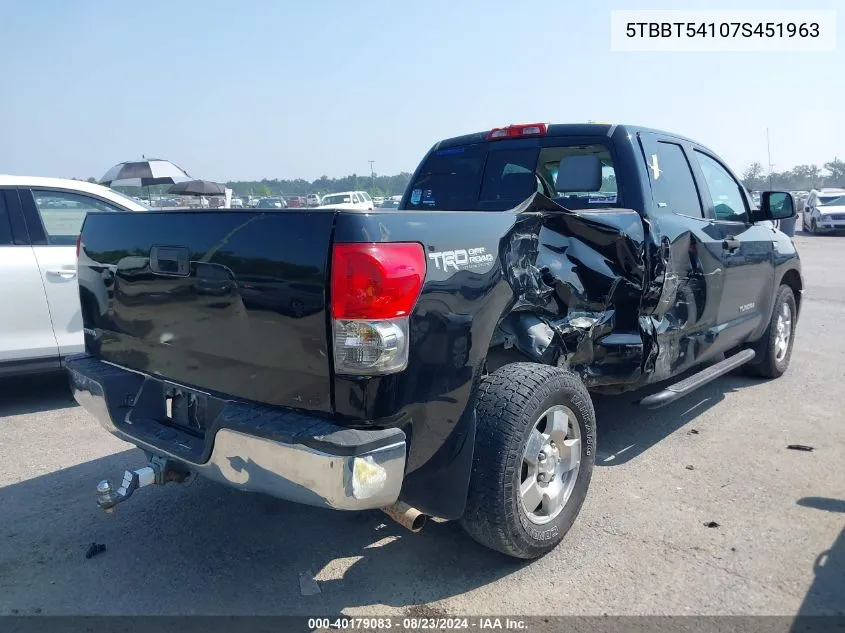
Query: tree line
{"x": 375, "y": 185}
{"x": 800, "y": 177}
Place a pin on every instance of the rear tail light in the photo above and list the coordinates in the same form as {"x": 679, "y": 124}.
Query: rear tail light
{"x": 517, "y": 131}
{"x": 374, "y": 288}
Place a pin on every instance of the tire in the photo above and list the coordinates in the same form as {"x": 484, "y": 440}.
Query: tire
{"x": 813, "y": 226}
{"x": 511, "y": 403}
{"x": 772, "y": 361}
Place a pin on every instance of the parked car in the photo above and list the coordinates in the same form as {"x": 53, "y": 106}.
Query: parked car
{"x": 40, "y": 220}
{"x": 389, "y": 204}
{"x": 271, "y": 203}
{"x": 313, "y": 200}
{"x": 824, "y": 211}
{"x": 445, "y": 362}
{"x": 349, "y": 200}
{"x": 237, "y": 203}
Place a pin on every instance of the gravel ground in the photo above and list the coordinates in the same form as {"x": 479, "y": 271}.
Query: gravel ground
{"x": 640, "y": 545}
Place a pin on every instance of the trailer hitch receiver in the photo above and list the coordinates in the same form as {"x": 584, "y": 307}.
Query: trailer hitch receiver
{"x": 159, "y": 471}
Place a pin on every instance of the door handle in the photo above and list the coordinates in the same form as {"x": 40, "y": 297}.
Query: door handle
{"x": 64, "y": 273}
{"x": 730, "y": 244}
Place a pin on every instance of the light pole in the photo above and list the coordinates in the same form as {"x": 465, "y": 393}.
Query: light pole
{"x": 769, "y": 150}
{"x": 372, "y": 176}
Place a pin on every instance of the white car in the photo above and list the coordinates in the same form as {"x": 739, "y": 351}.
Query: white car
{"x": 350, "y": 200}
{"x": 313, "y": 200}
{"x": 824, "y": 211}
{"x": 40, "y": 219}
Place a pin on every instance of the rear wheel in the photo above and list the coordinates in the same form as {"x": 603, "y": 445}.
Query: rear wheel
{"x": 534, "y": 455}
{"x": 775, "y": 348}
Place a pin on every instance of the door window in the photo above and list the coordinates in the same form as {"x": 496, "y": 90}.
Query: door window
{"x": 673, "y": 185}
{"x": 63, "y": 212}
{"x": 5, "y": 222}
{"x": 728, "y": 201}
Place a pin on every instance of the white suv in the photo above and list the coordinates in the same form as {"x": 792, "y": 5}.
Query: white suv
{"x": 354, "y": 200}
{"x": 824, "y": 211}
{"x": 40, "y": 219}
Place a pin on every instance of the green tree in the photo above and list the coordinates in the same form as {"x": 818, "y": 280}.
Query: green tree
{"x": 753, "y": 177}
{"x": 836, "y": 169}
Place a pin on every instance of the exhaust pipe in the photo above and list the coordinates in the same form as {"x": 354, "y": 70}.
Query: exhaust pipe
{"x": 406, "y": 516}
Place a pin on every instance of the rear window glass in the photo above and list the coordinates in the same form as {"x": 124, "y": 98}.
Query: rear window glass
{"x": 476, "y": 177}
{"x": 449, "y": 180}
{"x": 329, "y": 200}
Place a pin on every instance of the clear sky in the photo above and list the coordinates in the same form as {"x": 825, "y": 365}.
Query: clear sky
{"x": 288, "y": 88}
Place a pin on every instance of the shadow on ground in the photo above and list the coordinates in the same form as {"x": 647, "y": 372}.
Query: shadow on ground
{"x": 33, "y": 394}
{"x": 826, "y": 595}
{"x": 208, "y": 549}
{"x": 211, "y": 550}
{"x": 626, "y": 430}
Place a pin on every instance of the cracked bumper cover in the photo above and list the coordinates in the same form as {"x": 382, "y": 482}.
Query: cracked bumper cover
{"x": 286, "y": 454}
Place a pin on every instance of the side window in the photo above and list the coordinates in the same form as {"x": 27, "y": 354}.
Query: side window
{"x": 5, "y": 222}
{"x": 724, "y": 190}
{"x": 355, "y": 198}
{"x": 673, "y": 185}
{"x": 63, "y": 212}
{"x": 367, "y": 197}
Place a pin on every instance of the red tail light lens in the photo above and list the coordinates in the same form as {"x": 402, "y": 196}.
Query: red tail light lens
{"x": 78, "y": 243}
{"x": 376, "y": 281}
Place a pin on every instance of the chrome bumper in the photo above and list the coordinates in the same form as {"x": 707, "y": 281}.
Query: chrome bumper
{"x": 354, "y": 478}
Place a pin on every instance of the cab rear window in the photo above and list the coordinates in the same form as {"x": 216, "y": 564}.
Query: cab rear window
{"x": 478, "y": 178}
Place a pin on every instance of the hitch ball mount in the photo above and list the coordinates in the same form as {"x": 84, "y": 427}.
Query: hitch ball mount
{"x": 159, "y": 471}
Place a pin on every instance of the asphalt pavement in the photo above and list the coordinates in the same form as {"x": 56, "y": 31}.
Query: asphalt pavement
{"x": 698, "y": 508}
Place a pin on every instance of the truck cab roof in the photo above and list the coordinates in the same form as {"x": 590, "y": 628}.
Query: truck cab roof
{"x": 569, "y": 129}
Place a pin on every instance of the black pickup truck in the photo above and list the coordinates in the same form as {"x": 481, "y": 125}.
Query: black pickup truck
{"x": 436, "y": 359}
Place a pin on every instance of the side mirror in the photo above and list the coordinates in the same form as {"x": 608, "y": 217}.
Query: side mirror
{"x": 777, "y": 205}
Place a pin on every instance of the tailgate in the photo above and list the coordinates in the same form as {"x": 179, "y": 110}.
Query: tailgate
{"x": 227, "y": 301}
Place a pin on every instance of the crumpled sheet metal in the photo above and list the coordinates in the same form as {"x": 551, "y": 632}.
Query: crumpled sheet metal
{"x": 681, "y": 272}
{"x": 578, "y": 277}
{"x": 575, "y": 278}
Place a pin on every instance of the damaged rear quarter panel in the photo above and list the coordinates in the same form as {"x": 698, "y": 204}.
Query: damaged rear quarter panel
{"x": 577, "y": 279}
{"x": 578, "y": 276}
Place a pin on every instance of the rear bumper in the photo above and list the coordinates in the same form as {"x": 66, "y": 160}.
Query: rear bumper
{"x": 282, "y": 453}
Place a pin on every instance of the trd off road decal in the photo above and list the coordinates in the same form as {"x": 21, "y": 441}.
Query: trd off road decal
{"x": 462, "y": 259}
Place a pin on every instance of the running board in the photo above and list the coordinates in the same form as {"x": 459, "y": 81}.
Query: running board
{"x": 688, "y": 385}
